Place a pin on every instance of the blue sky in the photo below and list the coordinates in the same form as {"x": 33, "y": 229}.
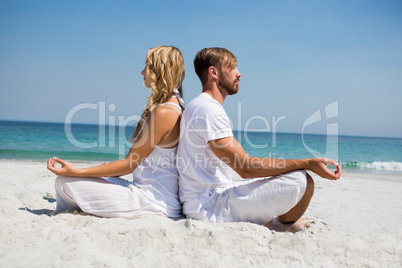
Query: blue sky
{"x": 295, "y": 57}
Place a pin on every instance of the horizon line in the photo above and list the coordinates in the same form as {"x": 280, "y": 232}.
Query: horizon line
{"x": 252, "y": 131}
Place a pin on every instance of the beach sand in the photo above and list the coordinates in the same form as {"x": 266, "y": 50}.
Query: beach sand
{"x": 357, "y": 223}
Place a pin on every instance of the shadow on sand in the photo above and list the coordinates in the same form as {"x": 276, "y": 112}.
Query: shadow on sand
{"x": 38, "y": 212}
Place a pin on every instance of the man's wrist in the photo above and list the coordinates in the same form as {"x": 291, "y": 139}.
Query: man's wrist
{"x": 307, "y": 163}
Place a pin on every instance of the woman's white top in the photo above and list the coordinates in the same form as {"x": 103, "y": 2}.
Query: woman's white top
{"x": 158, "y": 177}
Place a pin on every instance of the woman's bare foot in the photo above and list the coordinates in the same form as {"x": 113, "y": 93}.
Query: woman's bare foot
{"x": 297, "y": 226}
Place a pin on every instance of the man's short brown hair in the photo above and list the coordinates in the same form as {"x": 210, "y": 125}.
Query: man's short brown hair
{"x": 213, "y": 56}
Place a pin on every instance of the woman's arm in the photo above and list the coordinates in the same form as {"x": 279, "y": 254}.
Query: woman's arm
{"x": 114, "y": 168}
{"x": 159, "y": 123}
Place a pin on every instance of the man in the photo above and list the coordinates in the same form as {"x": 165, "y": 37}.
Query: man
{"x": 208, "y": 153}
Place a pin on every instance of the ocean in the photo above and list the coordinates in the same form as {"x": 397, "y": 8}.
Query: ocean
{"x": 83, "y": 142}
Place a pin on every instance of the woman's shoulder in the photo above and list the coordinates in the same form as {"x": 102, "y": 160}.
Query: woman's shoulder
{"x": 168, "y": 107}
{"x": 165, "y": 113}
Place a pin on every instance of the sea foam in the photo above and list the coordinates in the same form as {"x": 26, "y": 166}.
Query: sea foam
{"x": 385, "y": 166}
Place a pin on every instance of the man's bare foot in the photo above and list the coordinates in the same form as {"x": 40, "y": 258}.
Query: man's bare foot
{"x": 297, "y": 226}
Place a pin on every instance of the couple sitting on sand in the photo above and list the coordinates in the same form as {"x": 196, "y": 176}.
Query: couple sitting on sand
{"x": 182, "y": 161}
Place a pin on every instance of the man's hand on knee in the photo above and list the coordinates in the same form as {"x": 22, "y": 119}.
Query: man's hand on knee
{"x": 319, "y": 166}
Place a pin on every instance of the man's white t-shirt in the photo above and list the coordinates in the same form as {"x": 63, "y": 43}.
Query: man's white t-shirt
{"x": 201, "y": 173}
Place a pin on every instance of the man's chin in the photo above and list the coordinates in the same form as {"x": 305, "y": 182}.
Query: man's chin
{"x": 233, "y": 91}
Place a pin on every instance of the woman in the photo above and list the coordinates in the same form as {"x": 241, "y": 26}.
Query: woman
{"x": 151, "y": 158}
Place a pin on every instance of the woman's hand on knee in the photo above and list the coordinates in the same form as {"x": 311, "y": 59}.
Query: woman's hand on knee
{"x": 66, "y": 169}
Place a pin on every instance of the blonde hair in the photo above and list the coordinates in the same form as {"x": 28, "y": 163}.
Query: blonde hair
{"x": 165, "y": 68}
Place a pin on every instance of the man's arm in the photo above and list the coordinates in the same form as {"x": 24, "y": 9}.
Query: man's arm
{"x": 232, "y": 153}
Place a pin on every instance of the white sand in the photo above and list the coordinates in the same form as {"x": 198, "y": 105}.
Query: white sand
{"x": 362, "y": 215}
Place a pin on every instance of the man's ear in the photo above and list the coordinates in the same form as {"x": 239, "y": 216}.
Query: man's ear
{"x": 213, "y": 72}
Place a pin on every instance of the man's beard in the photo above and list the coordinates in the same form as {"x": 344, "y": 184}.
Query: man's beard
{"x": 230, "y": 87}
